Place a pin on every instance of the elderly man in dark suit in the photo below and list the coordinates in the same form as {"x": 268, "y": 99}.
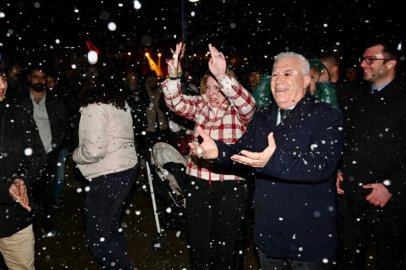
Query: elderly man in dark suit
{"x": 372, "y": 180}
{"x": 294, "y": 144}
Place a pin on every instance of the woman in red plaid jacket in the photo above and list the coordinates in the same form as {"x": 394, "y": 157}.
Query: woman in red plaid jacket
{"x": 216, "y": 200}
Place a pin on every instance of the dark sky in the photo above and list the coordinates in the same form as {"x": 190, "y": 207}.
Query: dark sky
{"x": 255, "y": 29}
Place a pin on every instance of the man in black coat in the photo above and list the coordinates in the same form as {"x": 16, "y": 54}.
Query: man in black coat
{"x": 21, "y": 156}
{"x": 294, "y": 144}
{"x": 373, "y": 176}
{"x": 49, "y": 112}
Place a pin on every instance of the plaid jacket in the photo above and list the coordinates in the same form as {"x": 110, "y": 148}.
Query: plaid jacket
{"x": 227, "y": 124}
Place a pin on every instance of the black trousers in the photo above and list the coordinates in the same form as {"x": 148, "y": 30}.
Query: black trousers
{"x": 44, "y": 190}
{"x": 104, "y": 205}
{"x": 214, "y": 214}
{"x": 357, "y": 236}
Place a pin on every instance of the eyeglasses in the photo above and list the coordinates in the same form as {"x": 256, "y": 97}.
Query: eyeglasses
{"x": 370, "y": 60}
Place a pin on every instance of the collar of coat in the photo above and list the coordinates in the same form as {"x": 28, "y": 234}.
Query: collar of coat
{"x": 269, "y": 113}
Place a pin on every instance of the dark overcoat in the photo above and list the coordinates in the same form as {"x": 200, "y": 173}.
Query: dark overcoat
{"x": 295, "y": 193}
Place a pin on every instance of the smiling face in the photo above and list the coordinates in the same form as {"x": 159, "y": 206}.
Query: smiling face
{"x": 288, "y": 82}
{"x": 213, "y": 92}
{"x": 377, "y": 73}
{"x": 3, "y": 87}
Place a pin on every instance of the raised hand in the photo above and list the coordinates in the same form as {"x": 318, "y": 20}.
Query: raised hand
{"x": 15, "y": 70}
{"x": 173, "y": 63}
{"x": 207, "y": 149}
{"x": 379, "y": 195}
{"x": 255, "y": 159}
{"x": 217, "y": 63}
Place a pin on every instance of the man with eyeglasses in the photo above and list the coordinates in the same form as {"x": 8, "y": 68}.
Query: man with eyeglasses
{"x": 372, "y": 181}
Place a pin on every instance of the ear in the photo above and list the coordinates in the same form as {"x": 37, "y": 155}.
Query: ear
{"x": 306, "y": 81}
{"x": 391, "y": 64}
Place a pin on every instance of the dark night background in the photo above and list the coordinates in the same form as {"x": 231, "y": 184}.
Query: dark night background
{"x": 255, "y": 30}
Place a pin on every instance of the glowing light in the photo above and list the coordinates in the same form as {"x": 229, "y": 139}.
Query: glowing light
{"x": 194, "y": 1}
{"x": 112, "y": 26}
{"x": 92, "y": 57}
{"x": 194, "y": 55}
{"x": 147, "y": 54}
{"x": 129, "y": 53}
{"x": 159, "y": 54}
{"x": 137, "y": 4}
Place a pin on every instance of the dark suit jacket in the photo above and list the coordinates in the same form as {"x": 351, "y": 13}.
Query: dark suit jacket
{"x": 375, "y": 151}
{"x": 295, "y": 193}
{"x": 56, "y": 110}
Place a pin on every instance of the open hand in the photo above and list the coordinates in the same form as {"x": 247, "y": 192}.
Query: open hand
{"x": 173, "y": 63}
{"x": 255, "y": 159}
{"x": 207, "y": 149}
{"x": 217, "y": 63}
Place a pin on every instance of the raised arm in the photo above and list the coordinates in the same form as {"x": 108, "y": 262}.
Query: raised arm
{"x": 184, "y": 105}
{"x": 241, "y": 100}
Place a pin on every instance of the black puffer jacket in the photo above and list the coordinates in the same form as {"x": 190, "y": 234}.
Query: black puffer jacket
{"x": 18, "y": 137}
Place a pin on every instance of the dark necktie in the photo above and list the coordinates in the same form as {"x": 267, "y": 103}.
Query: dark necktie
{"x": 284, "y": 113}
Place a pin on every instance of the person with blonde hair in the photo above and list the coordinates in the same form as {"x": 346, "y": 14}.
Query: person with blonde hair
{"x": 216, "y": 198}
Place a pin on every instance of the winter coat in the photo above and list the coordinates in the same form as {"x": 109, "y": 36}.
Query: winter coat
{"x": 295, "y": 192}
{"x": 226, "y": 124}
{"x": 262, "y": 92}
{"x": 375, "y": 152}
{"x": 106, "y": 140}
{"x": 326, "y": 91}
{"x": 18, "y": 137}
{"x": 57, "y": 114}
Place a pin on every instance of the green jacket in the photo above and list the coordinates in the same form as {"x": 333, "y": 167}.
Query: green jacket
{"x": 326, "y": 91}
{"x": 262, "y": 92}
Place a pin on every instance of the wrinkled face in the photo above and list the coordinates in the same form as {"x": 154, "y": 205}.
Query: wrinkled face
{"x": 3, "y": 87}
{"x": 51, "y": 83}
{"x": 213, "y": 92}
{"x": 37, "y": 80}
{"x": 254, "y": 79}
{"x": 378, "y": 70}
{"x": 288, "y": 84}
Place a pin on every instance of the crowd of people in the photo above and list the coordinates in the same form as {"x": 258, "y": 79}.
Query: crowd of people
{"x": 324, "y": 154}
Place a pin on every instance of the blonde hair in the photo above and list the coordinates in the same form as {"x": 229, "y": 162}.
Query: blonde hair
{"x": 208, "y": 74}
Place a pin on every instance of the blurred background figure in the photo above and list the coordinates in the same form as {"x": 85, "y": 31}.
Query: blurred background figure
{"x": 320, "y": 85}
{"x": 48, "y": 110}
{"x": 260, "y": 84}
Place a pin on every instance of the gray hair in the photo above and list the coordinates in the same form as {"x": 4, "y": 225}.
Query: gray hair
{"x": 305, "y": 67}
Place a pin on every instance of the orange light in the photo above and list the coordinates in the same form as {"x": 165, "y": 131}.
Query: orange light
{"x": 147, "y": 54}
{"x": 159, "y": 54}
{"x": 194, "y": 55}
{"x": 129, "y": 53}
